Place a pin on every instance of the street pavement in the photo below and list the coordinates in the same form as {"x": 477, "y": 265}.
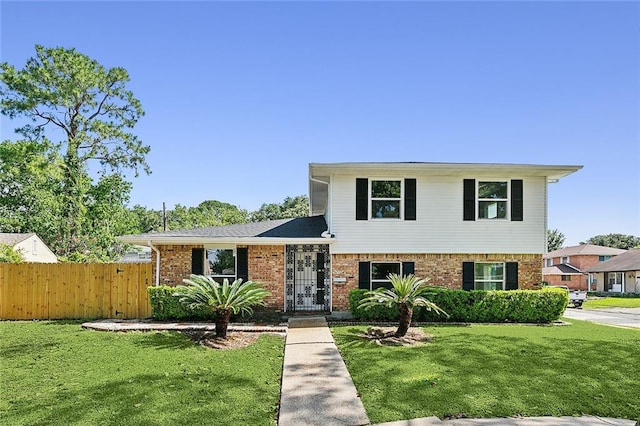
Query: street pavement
{"x": 621, "y": 317}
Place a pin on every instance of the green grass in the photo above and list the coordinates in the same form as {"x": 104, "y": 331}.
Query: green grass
{"x": 612, "y": 302}
{"x": 55, "y": 373}
{"x": 498, "y": 371}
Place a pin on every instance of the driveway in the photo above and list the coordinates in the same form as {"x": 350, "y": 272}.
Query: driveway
{"x": 623, "y": 317}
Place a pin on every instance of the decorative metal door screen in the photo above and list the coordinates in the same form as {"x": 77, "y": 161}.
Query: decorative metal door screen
{"x": 308, "y": 285}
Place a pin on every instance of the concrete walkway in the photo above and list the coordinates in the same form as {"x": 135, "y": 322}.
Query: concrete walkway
{"x": 316, "y": 386}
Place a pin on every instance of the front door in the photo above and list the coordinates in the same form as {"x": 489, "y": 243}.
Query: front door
{"x": 307, "y": 286}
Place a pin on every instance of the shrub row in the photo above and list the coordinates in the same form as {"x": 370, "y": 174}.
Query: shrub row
{"x": 525, "y": 306}
{"x": 166, "y": 306}
{"x": 606, "y": 294}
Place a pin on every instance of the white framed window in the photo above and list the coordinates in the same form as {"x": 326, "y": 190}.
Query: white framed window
{"x": 548, "y": 262}
{"x": 603, "y": 258}
{"x": 566, "y": 278}
{"x": 614, "y": 282}
{"x": 564, "y": 259}
{"x": 381, "y": 270}
{"x": 489, "y": 276}
{"x": 386, "y": 198}
{"x": 34, "y": 250}
{"x": 220, "y": 263}
{"x": 493, "y": 199}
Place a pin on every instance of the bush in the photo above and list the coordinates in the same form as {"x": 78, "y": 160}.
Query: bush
{"x": 606, "y": 294}
{"x": 166, "y": 306}
{"x": 525, "y": 306}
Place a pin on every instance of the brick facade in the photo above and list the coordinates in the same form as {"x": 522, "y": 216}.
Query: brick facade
{"x": 443, "y": 270}
{"x": 575, "y": 282}
{"x": 266, "y": 266}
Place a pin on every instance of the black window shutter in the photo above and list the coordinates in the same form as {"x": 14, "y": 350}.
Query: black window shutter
{"x": 469, "y": 199}
{"x": 409, "y": 199}
{"x": 362, "y": 199}
{"x": 516, "y": 200}
{"x": 468, "y": 276}
{"x": 364, "y": 275}
{"x": 242, "y": 263}
{"x": 512, "y": 276}
{"x": 408, "y": 268}
{"x": 197, "y": 261}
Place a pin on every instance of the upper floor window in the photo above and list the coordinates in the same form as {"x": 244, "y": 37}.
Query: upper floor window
{"x": 386, "y": 199}
{"x": 548, "y": 262}
{"x": 564, "y": 259}
{"x": 493, "y": 199}
{"x": 603, "y": 258}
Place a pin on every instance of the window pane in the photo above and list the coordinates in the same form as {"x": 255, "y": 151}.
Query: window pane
{"x": 380, "y": 271}
{"x": 489, "y": 271}
{"x": 378, "y": 284}
{"x": 220, "y": 262}
{"x": 492, "y": 210}
{"x": 488, "y": 285}
{"x": 492, "y": 190}
{"x": 385, "y": 189}
{"x": 382, "y": 209}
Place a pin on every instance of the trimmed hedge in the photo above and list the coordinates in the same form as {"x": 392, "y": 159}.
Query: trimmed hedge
{"x": 607, "y": 294}
{"x": 524, "y": 306}
{"x": 165, "y": 306}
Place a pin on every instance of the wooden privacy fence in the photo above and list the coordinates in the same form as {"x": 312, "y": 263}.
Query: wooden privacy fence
{"x": 74, "y": 290}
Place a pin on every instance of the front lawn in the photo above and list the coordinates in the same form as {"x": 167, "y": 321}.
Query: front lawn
{"x": 55, "y": 373}
{"x": 498, "y": 371}
{"x": 612, "y": 302}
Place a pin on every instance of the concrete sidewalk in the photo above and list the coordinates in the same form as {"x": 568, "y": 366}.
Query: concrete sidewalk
{"x": 316, "y": 386}
{"x": 523, "y": 421}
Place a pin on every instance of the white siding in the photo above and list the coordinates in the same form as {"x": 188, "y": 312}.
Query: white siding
{"x": 34, "y": 250}
{"x": 439, "y": 227}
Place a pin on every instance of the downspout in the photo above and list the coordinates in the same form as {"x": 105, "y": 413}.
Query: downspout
{"x": 157, "y": 283}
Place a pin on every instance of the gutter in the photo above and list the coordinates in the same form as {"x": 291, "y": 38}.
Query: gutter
{"x": 327, "y": 233}
{"x": 157, "y": 280}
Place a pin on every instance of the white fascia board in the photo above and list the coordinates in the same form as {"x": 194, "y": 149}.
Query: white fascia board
{"x": 249, "y": 241}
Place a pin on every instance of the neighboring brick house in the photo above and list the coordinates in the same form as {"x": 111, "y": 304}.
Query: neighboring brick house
{"x": 470, "y": 226}
{"x": 29, "y": 246}
{"x": 567, "y": 266}
{"x": 620, "y": 274}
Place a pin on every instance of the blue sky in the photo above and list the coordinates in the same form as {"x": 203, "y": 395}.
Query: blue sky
{"x": 241, "y": 96}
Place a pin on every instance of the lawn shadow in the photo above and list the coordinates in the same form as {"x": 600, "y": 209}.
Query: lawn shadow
{"x": 164, "y": 340}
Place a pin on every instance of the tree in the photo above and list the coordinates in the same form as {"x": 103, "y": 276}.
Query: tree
{"x": 555, "y": 239}
{"x": 621, "y": 241}
{"x": 221, "y": 299}
{"x": 407, "y": 292}
{"x": 290, "y": 208}
{"x": 65, "y": 92}
{"x": 9, "y": 255}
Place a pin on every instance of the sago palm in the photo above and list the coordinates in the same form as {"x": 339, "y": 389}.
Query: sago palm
{"x": 407, "y": 292}
{"x": 221, "y": 299}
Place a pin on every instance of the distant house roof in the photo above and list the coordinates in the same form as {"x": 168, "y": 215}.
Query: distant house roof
{"x": 303, "y": 228}
{"x": 14, "y": 238}
{"x": 562, "y": 269}
{"x": 584, "y": 249}
{"x": 629, "y": 261}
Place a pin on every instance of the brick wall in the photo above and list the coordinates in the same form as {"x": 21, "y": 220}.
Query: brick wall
{"x": 175, "y": 263}
{"x": 576, "y": 282}
{"x": 444, "y": 270}
{"x": 266, "y": 266}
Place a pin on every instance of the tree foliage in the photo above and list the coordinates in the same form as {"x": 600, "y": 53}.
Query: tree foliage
{"x": 65, "y": 94}
{"x": 621, "y": 241}
{"x": 555, "y": 239}
{"x": 9, "y": 255}
{"x": 291, "y": 207}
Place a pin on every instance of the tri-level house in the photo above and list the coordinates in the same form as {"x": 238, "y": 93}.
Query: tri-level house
{"x": 464, "y": 226}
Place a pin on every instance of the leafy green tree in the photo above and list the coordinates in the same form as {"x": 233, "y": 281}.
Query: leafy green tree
{"x": 621, "y": 241}
{"x": 65, "y": 92}
{"x": 207, "y": 213}
{"x": 222, "y": 299}
{"x": 291, "y": 207}
{"x": 9, "y": 255}
{"x": 555, "y": 239}
{"x": 407, "y": 293}
{"x": 146, "y": 220}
